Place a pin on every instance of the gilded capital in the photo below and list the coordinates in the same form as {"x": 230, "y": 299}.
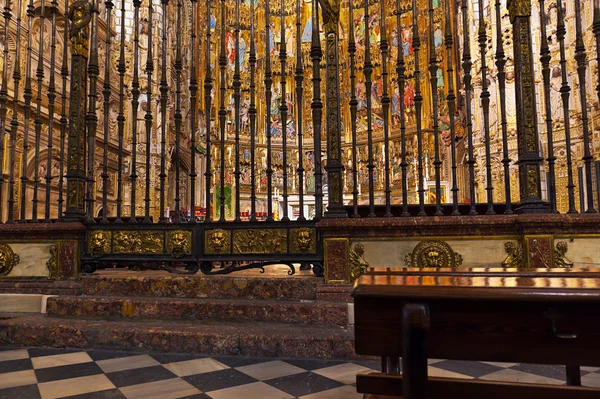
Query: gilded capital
{"x": 518, "y": 8}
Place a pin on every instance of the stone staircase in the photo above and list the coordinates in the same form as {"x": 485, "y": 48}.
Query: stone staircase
{"x": 213, "y": 315}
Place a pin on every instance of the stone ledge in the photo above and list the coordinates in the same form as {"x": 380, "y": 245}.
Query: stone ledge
{"x": 461, "y": 225}
{"x": 36, "y": 231}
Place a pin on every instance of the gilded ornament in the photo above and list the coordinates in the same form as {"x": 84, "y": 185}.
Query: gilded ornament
{"x": 52, "y": 263}
{"x": 516, "y": 255}
{"x": 80, "y": 14}
{"x": 519, "y": 8}
{"x": 532, "y": 182}
{"x": 217, "y": 241}
{"x": 263, "y": 241}
{"x": 99, "y": 243}
{"x": 358, "y": 265}
{"x": 8, "y": 259}
{"x": 179, "y": 243}
{"x": 560, "y": 255}
{"x": 138, "y": 242}
{"x": 433, "y": 254}
{"x": 303, "y": 240}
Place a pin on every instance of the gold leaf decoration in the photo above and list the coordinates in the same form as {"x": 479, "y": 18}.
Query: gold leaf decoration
{"x": 138, "y": 242}
{"x": 217, "y": 241}
{"x": 433, "y": 254}
{"x": 99, "y": 243}
{"x": 303, "y": 240}
{"x": 179, "y": 243}
{"x": 8, "y": 259}
{"x": 263, "y": 241}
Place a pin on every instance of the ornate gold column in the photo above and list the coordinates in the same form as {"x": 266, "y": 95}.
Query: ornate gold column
{"x": 80, "y": 16}
{"x": 331, "y": 17}
{"x": 527, "y": 130}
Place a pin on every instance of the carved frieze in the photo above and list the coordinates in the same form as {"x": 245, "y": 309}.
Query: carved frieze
{"x": 179, "y": 243}
{"x": 303, "y": 240}
{"x": 433, "y": 254}
{"x": 138, "y": 242}
{"x": 263, "y": 241}
{"x": 217, "y": 241}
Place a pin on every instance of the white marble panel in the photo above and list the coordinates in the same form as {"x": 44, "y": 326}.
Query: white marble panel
{"x": 583, "y": 252}
{"x": 475, "y": 252}
{"x": 32, "y": 259}
{"x": 22, "y": 303}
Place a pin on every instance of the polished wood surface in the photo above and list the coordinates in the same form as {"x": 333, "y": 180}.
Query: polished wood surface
{"x": 535, "y": 316}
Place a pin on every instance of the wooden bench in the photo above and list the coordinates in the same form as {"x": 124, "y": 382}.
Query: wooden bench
{"x": 549, "y": 316}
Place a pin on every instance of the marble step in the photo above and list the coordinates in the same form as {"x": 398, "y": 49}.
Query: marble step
{"x": 23, "y": 303}
{"x": 149, "y": 308}
{"x": 210, "y": 338}
{"x": 148, "y": 284}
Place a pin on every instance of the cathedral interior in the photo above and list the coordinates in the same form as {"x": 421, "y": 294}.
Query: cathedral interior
{"x": 255, "y": 199}
{"x": 248, "y": 150}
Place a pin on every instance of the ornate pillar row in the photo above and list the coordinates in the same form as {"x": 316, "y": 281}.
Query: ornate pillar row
{"x": 331, "y": 16}
{"x": 527, "y": 130}
{"x": 80, "y": 16}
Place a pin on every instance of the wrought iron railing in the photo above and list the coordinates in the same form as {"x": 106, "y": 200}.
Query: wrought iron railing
{"x": 192, "y": 132}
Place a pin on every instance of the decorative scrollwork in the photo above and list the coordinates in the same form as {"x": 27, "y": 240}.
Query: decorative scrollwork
{"x": 303, "y": 240}
{"x": 99, "y": 243}
{"x": 358, "y": 265}
{"x": 433, "y": 254}
{"x": 217, "y": 241}
{"x": 516, "y": 255}
{"x": 560, "y": 255}
{"x": 235, "y": 266}
{"x": 52, "y": 263}
{"x": 138, "y": 242}
{"x": 263, "y": 241}
{"x": 179, "y": 243}
{"x": 8, "y": 259}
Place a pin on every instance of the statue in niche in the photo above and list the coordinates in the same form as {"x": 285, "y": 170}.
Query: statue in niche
{"x": 493, "y": 106}
{"x": 361, "y": 94}
{"x": 289, "y": 40}
{"x": 406, "y": 34}
{"x": 555, "y": 95}
{"x": 143, "y": 46}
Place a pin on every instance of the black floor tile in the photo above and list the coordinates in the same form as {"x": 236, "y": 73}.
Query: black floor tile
{"x": 303, "y": 384}
{"x": 164, "y": 358}
{"x": 213, "y": 381}
{"x": 37, "y": 352}
{"x": 200, "y": 396}
{"x": 23, "y": 392}
{"x": 65, "y": 372}
{"x": 549, "y": 371}
{"x": 15, "y": 365}
{"x": 472, "y": 369}
{"x": 313, "y": 364}
{"x": 109, "y": 394}
{"x": 139, "y": 376}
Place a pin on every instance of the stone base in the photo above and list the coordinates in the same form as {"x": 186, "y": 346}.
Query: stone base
{"x": 244, "y": 310}
{"x": 231, "y": 339}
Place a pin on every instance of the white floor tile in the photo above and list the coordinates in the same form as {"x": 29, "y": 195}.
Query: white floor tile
{"x": 269, "y": 370}
{"x": 196, "y": 366}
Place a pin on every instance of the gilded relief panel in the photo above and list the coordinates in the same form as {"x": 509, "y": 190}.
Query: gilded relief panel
{"x": 303, "y": 240}
{"x": 263, "y": 241}
{"x": 138, "y": 242}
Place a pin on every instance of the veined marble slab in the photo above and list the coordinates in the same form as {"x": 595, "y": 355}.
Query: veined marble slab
{"x": 32, "y": 259}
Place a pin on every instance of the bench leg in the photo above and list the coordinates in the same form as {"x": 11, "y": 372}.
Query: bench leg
{"x": 573, "y": 376}
{"x": 415, "y": 323}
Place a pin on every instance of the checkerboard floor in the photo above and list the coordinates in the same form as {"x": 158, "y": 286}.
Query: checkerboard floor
{"x": 63, "y": 373}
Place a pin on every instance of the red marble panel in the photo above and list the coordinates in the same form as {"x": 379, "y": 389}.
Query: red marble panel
{"x": 67, "y": 259}
{"x": 336, "y": 260}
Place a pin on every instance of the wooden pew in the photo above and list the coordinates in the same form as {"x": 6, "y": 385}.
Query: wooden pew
{"x": 549, "y": 316}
